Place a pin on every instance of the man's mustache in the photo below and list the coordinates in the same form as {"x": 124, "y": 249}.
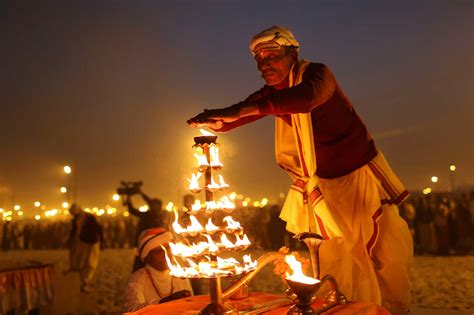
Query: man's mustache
{"x": 267, "y": 70}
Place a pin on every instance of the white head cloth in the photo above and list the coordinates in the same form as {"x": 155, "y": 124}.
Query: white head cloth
{"x": 273, "y": 38}
{"x": 151, "y": 239}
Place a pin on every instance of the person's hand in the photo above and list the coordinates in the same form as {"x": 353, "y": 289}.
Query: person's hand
{"x": 210, "y": 123}
{"x": 215, "y": 117}
{"x": 175, "y": 296}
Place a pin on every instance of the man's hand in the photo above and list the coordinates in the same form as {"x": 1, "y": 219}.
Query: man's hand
{"x": 213, "y": 116}
{"x": 175, "y": 296}
{"x": 211, "y": 124}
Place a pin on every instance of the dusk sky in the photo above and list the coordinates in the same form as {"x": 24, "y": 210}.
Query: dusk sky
{"x": 109, "y": 85}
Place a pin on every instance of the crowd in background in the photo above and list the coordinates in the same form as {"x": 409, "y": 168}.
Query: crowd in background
{"x": 441, "y": 224}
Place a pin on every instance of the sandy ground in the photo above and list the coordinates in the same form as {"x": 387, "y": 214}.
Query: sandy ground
{"x": 438, "y": 283}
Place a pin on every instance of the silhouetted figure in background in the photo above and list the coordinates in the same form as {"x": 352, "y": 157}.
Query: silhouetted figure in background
{"x": 84, "y": 245}
{"x": 443, "y": 241}
{"x": 425, "y": 225}
{"x": 152, "y": 218}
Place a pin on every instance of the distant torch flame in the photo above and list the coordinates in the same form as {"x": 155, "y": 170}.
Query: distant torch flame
{"x": 297, "y": 274}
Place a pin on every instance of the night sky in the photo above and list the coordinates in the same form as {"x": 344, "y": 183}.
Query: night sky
{"x": 108, "y": 85}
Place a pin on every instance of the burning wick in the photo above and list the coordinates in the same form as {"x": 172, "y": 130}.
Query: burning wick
{"x": 206, "y": 133}
{"x": 297, "y": 274}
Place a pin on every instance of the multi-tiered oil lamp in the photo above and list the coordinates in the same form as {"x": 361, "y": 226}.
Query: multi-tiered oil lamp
{"x": 196, "y": 254}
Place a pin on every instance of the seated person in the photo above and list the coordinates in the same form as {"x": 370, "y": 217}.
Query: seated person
{"x": 153, "y": 283}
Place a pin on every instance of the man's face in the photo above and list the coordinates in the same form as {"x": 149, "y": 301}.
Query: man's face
{"x": 274, "y": 65}
{"x": 157, "y": 258}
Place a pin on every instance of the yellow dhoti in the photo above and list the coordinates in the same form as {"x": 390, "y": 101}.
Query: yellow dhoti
{"x": 368, "y": 246}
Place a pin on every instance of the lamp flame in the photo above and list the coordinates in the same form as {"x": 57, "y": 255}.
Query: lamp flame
{"x": 195, "y": 226}
{"x": 297, "y": 274}
{"x": 194, "y": 182}
{"x": 176, "y": 226}
{"x": 223, "y": 204}
{"x": 226, "y": 243}
{"x": 215, "y": 161}
{"x": 206, "y": 133}
{"x": 213, "y": 248}
{"x": 210, "y": 227}
{"x": 213, "y": 184}
{"x": 231, "y": 224}
{"x": 222, "y": 183}
{"x": 201, "y": 159}
{"x": 226, "y": 263}
{"x": 196, "y": 205}
{"x": 242, "y": 242}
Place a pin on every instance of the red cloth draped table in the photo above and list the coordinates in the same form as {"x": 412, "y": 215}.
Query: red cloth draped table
{"x": 25, "y": 285}
{"x": 194, "y": 304}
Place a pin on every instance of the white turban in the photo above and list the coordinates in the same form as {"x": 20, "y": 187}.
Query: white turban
{"x": 273, "y": 38}
{"x": 151, "y": 239}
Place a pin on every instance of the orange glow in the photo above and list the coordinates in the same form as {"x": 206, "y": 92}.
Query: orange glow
{"x": 297, "y": 274}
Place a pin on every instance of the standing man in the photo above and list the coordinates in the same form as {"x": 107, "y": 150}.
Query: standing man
{"x": 152, "y": 218}
{"x": 343, "y": 188}
{"x": 84, "y": 245}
